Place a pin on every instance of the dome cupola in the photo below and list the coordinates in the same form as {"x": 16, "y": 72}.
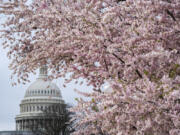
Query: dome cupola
{"x": 43, "y": 87}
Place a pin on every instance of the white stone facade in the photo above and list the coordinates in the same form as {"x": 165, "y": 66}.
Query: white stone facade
{"x": 40, "y": 95}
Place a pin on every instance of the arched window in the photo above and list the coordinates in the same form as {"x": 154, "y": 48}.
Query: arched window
{"x": 57, "y": 108}
{"x": 53, "y": 108}
{"x": 37, "y": 108}
{"x": 33, "y": 108}
{"x": 60, "y": 110}
{"x": 41, "y": 108}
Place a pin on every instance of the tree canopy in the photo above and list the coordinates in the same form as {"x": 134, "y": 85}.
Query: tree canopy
{"x": 134, "y": 45}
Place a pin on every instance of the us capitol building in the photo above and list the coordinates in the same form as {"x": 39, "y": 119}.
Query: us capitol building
{"x": 40, "y": 95}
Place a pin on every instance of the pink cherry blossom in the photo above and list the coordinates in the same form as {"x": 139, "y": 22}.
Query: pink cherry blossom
{"x": 132, "y": 45}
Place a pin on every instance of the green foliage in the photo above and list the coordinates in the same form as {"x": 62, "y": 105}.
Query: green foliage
{"x": 146, "y": 72}
{"x": 174, "y": 71}
{"x": 95, "y": 108}
{"x": 93, "y": 100}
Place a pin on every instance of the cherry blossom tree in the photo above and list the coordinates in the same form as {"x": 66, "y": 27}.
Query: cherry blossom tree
{"x": 132, "y": 45}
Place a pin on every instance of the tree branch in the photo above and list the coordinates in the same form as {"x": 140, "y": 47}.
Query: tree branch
{"x": 118, "y": 58}
{"x": 139, "y": 74}
{"x": 171, "y": 14}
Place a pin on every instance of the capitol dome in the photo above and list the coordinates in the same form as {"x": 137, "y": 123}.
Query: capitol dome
{"x": 40, "y": 95}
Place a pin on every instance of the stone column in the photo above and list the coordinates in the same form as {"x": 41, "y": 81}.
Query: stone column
{"x": 34, "y": 122}
{"x": 25, "y": 124}
{"x": 18, "y": 125}
{"x": 22, "y": 125}
{"x": 28, "y": 124}
{"x": 20, "y": 122}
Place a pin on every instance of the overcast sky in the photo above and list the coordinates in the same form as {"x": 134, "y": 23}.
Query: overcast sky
{"x": 10, "y": 97}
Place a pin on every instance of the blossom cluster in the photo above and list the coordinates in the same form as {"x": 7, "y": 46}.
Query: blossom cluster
{"x": 134, "y": 45}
